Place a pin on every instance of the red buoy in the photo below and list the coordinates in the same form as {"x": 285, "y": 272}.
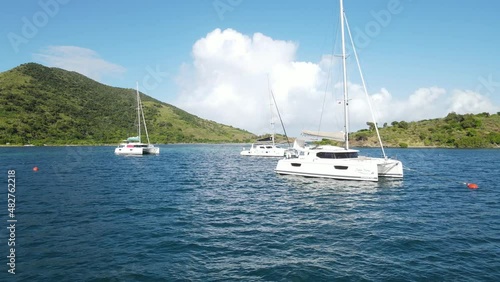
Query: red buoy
{"x": 35, "y": 168}
{"x": 472, "y": 186}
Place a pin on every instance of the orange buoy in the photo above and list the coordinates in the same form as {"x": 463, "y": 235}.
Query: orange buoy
{"x": 472, "y": 186}
{"x": 35, "y": 168}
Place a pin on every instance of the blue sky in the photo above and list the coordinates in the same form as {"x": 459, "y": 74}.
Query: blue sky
{"x": 414, "y": 53}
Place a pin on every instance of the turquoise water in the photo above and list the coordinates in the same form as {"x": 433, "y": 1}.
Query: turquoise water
{"x": 204, "y": 213}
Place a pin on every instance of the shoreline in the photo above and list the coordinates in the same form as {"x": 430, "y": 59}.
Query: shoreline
{"x": 112, "y": 145}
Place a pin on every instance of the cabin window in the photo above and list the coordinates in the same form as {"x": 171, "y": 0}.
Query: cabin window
{"x": 343, "y": 167}
{"x": 349, "y": 155}
{"x": 296, "y": 164}
{"x": 325, "y": 155}
{"x": 269, "y": 147}
{"x": 331, "y": 155}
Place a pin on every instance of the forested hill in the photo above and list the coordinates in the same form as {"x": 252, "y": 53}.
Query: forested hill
{"x": 453, "y": 131}
{"x": 42, "y": 105}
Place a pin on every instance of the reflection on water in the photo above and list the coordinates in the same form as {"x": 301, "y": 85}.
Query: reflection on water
{"x": 205, "y": 213}
{"x": 341, "y": 185}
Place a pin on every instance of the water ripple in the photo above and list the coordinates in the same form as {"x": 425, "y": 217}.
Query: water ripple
{"x": 203, "y": 213}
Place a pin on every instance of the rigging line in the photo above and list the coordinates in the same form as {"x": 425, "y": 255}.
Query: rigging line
{"x": 329, "y": 78}
{"x": 339, "y": 70}
{"x": 364, "y": 87}
{"x": 271, "y": 111}
{"x": 279, "y": 115}
{"x": 138, "y": 111}
{"x": 144, "y": 120}
{"x": 324, "y": 96}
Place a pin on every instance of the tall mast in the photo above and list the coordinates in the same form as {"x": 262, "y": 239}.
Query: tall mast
{"x": 144, "y": 120}
{"x": 271, "y": 109}
{"x": 138, "y": 111}
{"x": 346, "y": 101}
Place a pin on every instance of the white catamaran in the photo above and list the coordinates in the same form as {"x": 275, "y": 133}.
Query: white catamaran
{"x": 338, "y": 162}
{"x": 133, "y": 145}
{"x": 266, "y": 147}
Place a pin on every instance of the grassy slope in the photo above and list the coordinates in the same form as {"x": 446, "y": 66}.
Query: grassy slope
{"x": 41, "y": 105}
{"x": 456, "y": 131}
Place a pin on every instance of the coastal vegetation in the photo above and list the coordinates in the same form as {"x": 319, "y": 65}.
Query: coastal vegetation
{"x": 453, "y": 131}
{"x": 41, "y": 105}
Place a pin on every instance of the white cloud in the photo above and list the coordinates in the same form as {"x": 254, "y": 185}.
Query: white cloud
{"x": 81, "y": 60}
{"x": 424, "y": 103}
{"x": 228, "y": 82}
{"x": 466, "y": 101}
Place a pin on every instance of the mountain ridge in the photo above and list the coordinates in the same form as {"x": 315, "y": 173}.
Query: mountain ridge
{"x": 44, "y": 105}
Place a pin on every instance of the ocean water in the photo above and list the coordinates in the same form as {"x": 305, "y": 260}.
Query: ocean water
{"x": 204, "y": 213}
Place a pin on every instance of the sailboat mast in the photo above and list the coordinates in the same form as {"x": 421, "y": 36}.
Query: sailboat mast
{"x": 346, "y": 112}
{"x": 279, "y": 116}
{"x": 138, "y": 112}
{"x": 271, "y": 110}
{"x": 144, "y": 120}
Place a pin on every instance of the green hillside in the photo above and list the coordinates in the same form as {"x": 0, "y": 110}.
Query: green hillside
{"x": 453, "y": 131}
{"x": 41, "y": 105}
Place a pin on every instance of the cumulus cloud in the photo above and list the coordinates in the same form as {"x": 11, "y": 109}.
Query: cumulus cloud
{"x": 463, "y": 101}
{"x": 81, "y": 60}
{"x": 232, "y": 74}
{"x": 424, "y": 103}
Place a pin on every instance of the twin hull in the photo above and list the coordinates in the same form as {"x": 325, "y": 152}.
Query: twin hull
{"x": 136, "y": 151}
{"x": 367, "y": 169}
{"x": 264, "y": 152}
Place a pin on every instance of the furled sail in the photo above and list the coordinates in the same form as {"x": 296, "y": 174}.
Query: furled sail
{"x": 134, "y": 139}
{"x": 337, "y": 136}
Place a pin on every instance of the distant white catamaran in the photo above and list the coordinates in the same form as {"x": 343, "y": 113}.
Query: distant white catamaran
{"x": 133, "y": 145}
{"x": 266, "y": 147}
{"x": 338, "y": 162}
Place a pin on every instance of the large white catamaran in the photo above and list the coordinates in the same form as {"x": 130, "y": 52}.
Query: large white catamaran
{"x": 133, "y": 145}
{"x": 338, "y": 162}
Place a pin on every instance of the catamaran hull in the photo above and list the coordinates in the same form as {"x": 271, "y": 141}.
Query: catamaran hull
{"x": 137, "y": 151}
{"x": 129, "y": 151}
{"x": 151, "y": 151}
{"x": 389, "y": 168}
{"x": 264, "y": 153}
{"x": 344, "y": 169}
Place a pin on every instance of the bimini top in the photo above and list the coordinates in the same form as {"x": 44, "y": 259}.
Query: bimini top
{"x": 336, "y": 136}
{"x": 266, "y": 139}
